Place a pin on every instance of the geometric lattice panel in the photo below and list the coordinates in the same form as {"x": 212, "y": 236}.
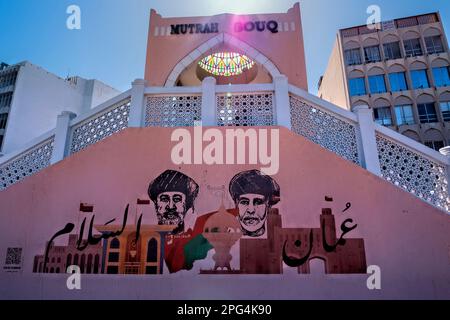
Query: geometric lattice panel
{"x": 26, "y": 164}
{"x": 100, "y": 126}
{"x": 245, "y": 109}
{"x": 414, "y": 173}
{"x": 324, "y": 129}
{"x": 173, "y": 111}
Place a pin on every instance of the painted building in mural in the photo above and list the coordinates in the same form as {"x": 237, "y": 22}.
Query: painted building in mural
{"x": 219, "y": 176}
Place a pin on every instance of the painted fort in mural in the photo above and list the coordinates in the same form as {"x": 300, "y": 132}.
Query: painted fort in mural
{"x": 219, "y": 177}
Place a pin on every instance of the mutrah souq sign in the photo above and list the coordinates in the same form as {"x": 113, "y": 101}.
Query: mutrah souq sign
{"x": 248, "y": 26}
{"x": 274, "y": 41}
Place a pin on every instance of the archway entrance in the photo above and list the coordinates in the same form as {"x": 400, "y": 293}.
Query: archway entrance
{"x": 226, "y": 58}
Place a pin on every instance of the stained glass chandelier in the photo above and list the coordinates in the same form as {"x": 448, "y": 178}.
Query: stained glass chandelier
{"x": 226, "y": 64}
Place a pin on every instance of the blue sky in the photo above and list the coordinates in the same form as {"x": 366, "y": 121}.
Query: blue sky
{"x": 111, "y": 45}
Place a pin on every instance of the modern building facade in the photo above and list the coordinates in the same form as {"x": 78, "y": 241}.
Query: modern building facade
{"x": 31, "y": 98}
{"x": 400, "y": 69}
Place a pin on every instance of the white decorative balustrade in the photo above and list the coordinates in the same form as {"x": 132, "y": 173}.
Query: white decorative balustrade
{"x": 409, "y": 166}
{"x": 26, "y": 163}
{"x": 322, "y": 127}
{"x": 173, "y": 110}
{"x": 352, "y": 135}
{"x": 100, "y": 126}
{"x": 245, "y": 109}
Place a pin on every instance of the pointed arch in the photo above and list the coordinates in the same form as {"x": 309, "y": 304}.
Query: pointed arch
{"x": 222, "y": 38}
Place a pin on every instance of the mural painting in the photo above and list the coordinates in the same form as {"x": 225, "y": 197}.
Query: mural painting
{"x": 254, "y": 226}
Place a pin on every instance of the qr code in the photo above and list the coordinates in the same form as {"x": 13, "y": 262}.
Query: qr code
{"x": 13, "y": 256}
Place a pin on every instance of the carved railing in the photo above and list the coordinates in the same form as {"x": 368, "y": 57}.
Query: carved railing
{"x": 99, "y": 126}
{"x": 335, "y": 130}
{"x": 27, "y": 162}
{"x": 413, "y": 167}
{"x": 351, "y": 135}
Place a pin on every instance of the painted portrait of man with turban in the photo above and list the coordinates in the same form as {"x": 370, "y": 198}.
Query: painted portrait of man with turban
{"x": 254, "y": 193}
{"x": 173, "y": 194}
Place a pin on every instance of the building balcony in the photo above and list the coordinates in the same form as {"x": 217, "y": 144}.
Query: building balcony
{"x": 7, "y": 89}
{"x": 4, "y": 109}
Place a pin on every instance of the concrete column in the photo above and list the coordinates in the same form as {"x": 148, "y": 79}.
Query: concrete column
{"x": 282, "y": 103}
{"x": 367, "y": 141}
{"x": 62, "y": 138}
{"x": 209, "y": 117}
{"x": 137, "y": 108}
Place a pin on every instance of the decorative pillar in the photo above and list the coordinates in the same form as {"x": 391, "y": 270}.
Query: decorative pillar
{"x": 62, "y": 137}
{"x": 136, "y": 118}
{"x": 282, "y": 103}
{"x": 209, "y": 109}
{"x": 367, "y": 140}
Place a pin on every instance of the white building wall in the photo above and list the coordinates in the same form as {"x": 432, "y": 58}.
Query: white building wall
{"x": 100, "y": 93}
{"x": 39, "y": 97}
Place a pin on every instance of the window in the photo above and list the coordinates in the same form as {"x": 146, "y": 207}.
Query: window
{"x": 445, "y": 109}
{"x": 3, "y": 119}
{"x": 89, "y": 264}
{"x": 357, "y": 87}
{"x": 372, "y": 54}
{"x": 413, "y": 47}
{"x": 152, "y": 250}
{"x": 441, "y": 77}
{"x": 69, "y": 260}
{"x": 404, "y": 115}
{"x": 226, "y": 64}
{"x": 436, "y": 145}
{"x": 434, "y": 44}
{"x": 383, "y": 116}
{"x": 112, "y": 270}
{"x": 377, "y": 84}
{"x": 420, "y": 79}
{"x": 427, "y": 113}
{"x": 392, "y": 50}
{"x": 8, "y": 79}
{"x": 398, "y": 81}
{"x": 115, "y": 244}
{"x": 96, "y": 262}
{"x": 82, "y": 263}
{"x": 5, "y": 99}
{"x": 352, "y": 57}
{"x": 113, "y": 257}
{"x": 151, "y": 270}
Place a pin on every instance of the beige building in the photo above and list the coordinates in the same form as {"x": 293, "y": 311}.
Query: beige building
{"x": 401, "y": 70}
{"x": 127, "y": 255}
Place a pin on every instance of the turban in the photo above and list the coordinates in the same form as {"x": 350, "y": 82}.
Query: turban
{"x": 255, "y": 182}
{"x": 174, "y": 181}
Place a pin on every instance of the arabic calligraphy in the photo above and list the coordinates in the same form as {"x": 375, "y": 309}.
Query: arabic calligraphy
{"x": 345, "y": 228}
{"x": 91, "y": 239}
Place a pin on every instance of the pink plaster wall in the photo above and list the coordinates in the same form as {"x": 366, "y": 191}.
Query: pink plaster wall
{"x": 284, "y": 49}
{"x": 407, "y": 238}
